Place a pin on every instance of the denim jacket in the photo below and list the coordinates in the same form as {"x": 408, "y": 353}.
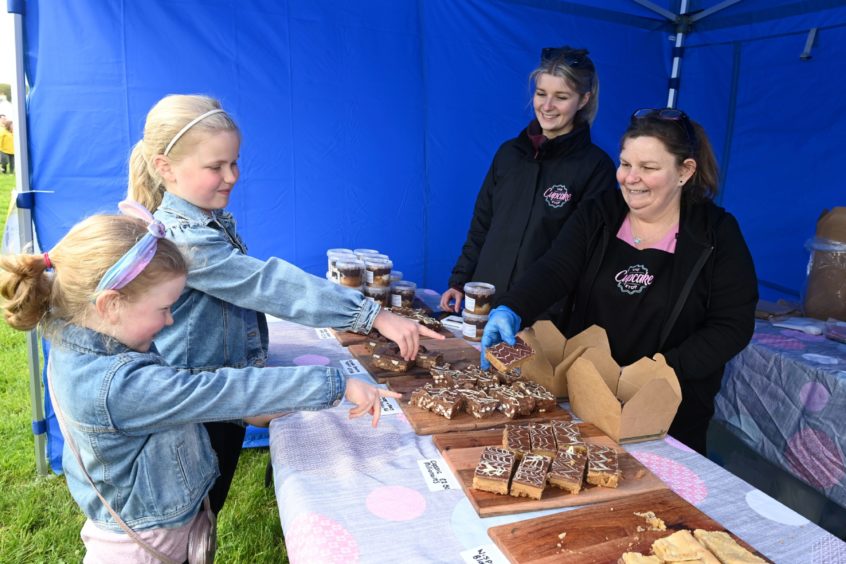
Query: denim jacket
{"x": 217, "y": 320}
{"x": 138, "y": 423}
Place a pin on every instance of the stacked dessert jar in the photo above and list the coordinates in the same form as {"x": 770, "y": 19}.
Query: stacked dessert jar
{"x": 332, "y": 256}
{"x": 402, "y": 293}
{"x": 478, "y": 297}
{"x": 377, "y": 272}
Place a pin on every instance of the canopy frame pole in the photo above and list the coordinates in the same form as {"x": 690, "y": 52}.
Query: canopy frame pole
{"x": 25, "y": 233}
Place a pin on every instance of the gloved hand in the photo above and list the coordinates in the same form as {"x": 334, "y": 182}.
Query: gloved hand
{"x": 502, "y": 325}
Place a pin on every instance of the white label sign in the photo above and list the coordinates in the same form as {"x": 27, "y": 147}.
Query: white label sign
{"x": 485, "y": 554}
{"x": 324, "y": 333}
{"x": 352, "y": 367}
{"x": 437, "y": 475}
{"x": 390, "y": 406}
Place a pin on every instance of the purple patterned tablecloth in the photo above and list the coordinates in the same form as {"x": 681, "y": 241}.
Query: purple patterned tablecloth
{"x": 784, "y": 396}
{"x": 350, "y": 493}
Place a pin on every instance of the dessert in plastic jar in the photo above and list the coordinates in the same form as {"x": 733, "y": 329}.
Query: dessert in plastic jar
{"x": 350, "y": 272}
{"x": 402, "y": 293}
{"x": 332, "y": 257}
{"x": 478, "y": 297}
{"x": 361, "y": 253}
{"x": 396, "y": 276}
{"x": 379, "y": 294}
{"x": 473, "y": 326}
{"x": 378, "y": 271}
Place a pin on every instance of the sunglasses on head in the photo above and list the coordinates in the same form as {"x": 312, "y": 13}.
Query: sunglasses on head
{"x": 673, "y": 115}
{"x": 576, "y": 60}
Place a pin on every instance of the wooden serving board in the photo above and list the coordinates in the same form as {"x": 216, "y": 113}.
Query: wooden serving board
{"x": 602, "y": 532}
{"x": 457, "y": 352}
{"x": 427, "y": 423}
{"x": 463, "y": 450}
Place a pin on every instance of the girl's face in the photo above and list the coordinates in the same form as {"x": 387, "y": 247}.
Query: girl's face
{"x": 206, "y": 175}
{"x": 139, "y": 320}
{"x": 650, "y": 179}
{"x": 556, "y": 104}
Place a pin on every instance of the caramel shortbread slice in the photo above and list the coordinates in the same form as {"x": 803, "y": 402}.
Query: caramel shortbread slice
{"x": 567, "y": 471}
{"x": 517, "y": 438}
{"x": 504, "y": 357}
{"x": 568, "y": 437}
{"x": 602, "y": 469}
{"x": 543, "y": 441}
{"x": 493, "y": 473}
{"x": 530, "y": 478}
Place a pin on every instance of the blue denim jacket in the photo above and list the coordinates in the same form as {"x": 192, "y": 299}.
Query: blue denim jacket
{"x": 216, "y": 320}
{"x": 138, "y": 422}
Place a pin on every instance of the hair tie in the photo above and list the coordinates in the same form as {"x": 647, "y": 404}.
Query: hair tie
{"x": 48, "y": 264}
{"x": 188, "y": 126}
{"x": 136, "y": 259}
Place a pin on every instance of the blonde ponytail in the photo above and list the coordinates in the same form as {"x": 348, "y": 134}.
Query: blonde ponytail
{"x": 145, "y": 185}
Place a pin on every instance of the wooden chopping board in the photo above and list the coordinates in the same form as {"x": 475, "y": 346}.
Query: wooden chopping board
{"x": 457, "y": 352}
{"x": 427, "y": 423}
{"x": 602, "y": 532}
{"x": 463, "y": 450}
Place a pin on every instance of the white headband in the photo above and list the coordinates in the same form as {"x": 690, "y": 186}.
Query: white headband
{"x": 188, "y": 126}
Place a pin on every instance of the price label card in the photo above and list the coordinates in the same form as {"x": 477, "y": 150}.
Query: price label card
{"x": 352, "y": 367}
{"x": 324, "y": 333}
{"x": 390, "y": 406}
{"x": 485, "y": 554}
{"x": 437, "y": 475}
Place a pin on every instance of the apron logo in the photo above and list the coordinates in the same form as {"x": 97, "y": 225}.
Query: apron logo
{"x": 634, "y": 280}
{"x": 556, "y": 196}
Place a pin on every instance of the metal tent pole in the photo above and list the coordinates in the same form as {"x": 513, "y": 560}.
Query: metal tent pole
{"x": 25, "y": 233}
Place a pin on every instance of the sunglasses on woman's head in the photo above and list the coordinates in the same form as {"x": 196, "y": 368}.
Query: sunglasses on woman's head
{"x": 673, "y": 115}
{"x": 573, "y": 59}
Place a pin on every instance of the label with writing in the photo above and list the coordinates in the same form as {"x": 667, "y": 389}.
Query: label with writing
{"x": 468, "y": 330}
{"x": 437, "y": 475}
{"x": 485, "y": 554}
{"x": 389, "y": 406}
{"x": 324, "y": 333}
{"x": 453, "y": 322}
{"x": 352, "y": 367}
{"x": 370, "y": 277}
{"x": 469, "y": 304}
{"x": 396, "y": 300}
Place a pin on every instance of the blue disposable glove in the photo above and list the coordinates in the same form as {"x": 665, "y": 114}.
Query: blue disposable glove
{"x": 502, "y": 325}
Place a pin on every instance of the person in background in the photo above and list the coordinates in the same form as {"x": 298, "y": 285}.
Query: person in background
{"x": 7, "y": 146}
{"x": 101, "y": 295}
{"x": 536, "y": 180}
{"x": 657, "y": 264}
{"x": 184, "y": 169}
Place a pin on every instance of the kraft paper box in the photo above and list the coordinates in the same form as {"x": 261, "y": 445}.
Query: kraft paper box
{"x": 637, "y": 403}
{"x": 554, "y": 353}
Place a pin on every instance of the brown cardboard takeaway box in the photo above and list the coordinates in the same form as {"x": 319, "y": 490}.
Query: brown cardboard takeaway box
{"x": 635, "y": 403}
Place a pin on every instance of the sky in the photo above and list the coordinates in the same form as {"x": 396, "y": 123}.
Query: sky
{"x": 7, "y": 47}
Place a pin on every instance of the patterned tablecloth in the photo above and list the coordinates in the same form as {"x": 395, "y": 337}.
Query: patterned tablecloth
{"x": 350, "y": 493}
{"x": 784, "y": 396}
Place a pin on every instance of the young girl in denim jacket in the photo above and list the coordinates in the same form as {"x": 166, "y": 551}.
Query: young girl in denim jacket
{"x": 184, "y": 170}
{"x": 136, "y": 421}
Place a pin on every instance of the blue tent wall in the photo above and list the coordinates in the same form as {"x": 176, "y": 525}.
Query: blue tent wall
{"x": 373, "y": 123}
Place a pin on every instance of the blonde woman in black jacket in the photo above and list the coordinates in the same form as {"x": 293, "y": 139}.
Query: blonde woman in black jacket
{"x": 536, "y": 180}
{"x": 657, "y": 264}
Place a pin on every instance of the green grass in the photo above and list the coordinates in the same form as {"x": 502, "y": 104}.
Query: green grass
{"x": 40, "y": 523}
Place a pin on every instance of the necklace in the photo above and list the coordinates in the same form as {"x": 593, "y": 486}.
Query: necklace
{"x": 638, "y": 240}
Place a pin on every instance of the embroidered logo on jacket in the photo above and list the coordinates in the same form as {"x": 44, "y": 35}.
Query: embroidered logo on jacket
{"x": 556, "y": 196}
{"x": 634, "y": 280}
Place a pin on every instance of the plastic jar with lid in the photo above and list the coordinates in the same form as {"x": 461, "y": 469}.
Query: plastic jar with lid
{"x": 402, "y": 293}
{"x": 473, "y": 325}
{"x": 478, "y": 297}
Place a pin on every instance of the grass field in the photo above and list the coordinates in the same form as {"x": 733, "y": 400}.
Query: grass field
{"x": 39, "y": 522}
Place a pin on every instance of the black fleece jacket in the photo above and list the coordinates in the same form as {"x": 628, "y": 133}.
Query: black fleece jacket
{"x": 524, "y": 201}
{"x": 710, "y": 316}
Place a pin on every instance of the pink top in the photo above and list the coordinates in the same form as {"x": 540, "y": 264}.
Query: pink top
{"x": 667, "y": 243}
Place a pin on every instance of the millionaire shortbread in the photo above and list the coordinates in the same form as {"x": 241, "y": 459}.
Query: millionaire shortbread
{"x": 543, "y": 441}
{"x": 602, "y": 467}
{"x": 517, "y": 438}
{"x": 567, "y": 471}
{"x": 530, "y": 478}
{"x": 568, "y": 437}
{"x": 504, "y": 357}
{"x": 493, "y": 473}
